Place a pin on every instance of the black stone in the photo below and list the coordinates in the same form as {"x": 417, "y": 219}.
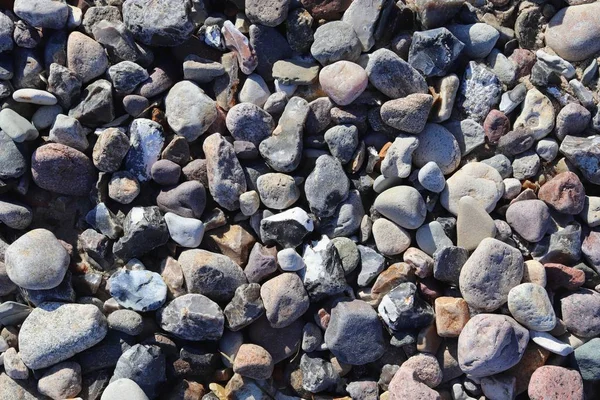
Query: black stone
{"x": 447, "y": 263}
{"x": 434, "y": 52}
{"x": 412, "y": 311}
{"x": 141, "y": 234}
{"x": 245, "y": 307}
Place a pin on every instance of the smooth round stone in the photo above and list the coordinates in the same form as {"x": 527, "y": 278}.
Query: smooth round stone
{"x": 342, "y": 141}
{"x": 426, "y": 369}
{"x": 134, "y": 104}
{"x": 393, "y": 76}
{"x": 573, "y": 32}
{"x": 402, "y": 205}
{"x": 430, "y": 176}
{"x": 572, "y": 120}
{"x": 250, "y": 123}
{"x": 473, "y": 224}
{"x": 437, "y": 144}
{"x": 478, "y": 180}
{"x": 86, "y": 57}
{"x": 189, "y": 111}
{"x": 138, "y": 290}
{"x": 255, "y": 91}
{"x": 277, "y": 191}
{"x": 479, "y": 39}
{"x": 431, "y": 237}
{"x": 285, "y": 299}
{"x": 564, "y": 193}
{"x": 408, "y": 114}
{"x": 547, "y": 149}
{"x": 249, "y": 202}
{"x": 17, "y": 127}
{"x": 41, "y": 269}
{"x": 529, "y": 218}
{"x": 580, "y": 311}
{"x": 529, "y": 304}
{"x": 335, "y": 41}
{"x": 290, "y": 260}
{"x": 512, "y": 188}
{"x": 165, "y": 172}
{"x": 343, "y": 81}
{"x": 126, "y": 321}
{"x": 192, "y": 317}
{"x": 188, "y": 199}
{"x": 554, "y": 382}
{"x": 15, "y": 215}
{"x": 34, "y": 96}
{"x": 489, "y": 274}
{"x": 491, "y": 343}
{"x": 123, "y": 389}
{"x": 186, "y": 232}
{"x": 404, "y": 386}
{"x": 390, "y": 239}
{"x": 61, "y": 381}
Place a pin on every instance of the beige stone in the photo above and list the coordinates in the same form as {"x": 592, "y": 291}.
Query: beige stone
{"x": 451, "y": 315}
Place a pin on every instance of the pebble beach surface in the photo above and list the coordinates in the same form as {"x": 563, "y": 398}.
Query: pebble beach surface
{"x": 299, "y": 199}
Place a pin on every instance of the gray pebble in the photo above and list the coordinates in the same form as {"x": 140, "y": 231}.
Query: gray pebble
{"x": 431, "y": 177}
{"x": 17, "y": 127}
{"x": 335, "y": 41}
{"x": 138, "y": 290}
{"x": 248, "y": 122}
{"x": 393, "y": 76}
{"x": 68, "y": 131}
{"x": 202, "y": 319}
{"x": 126, "y": 76}
{"x": 126, "y": 321}
{"x": 189, "y": 111}
{"x": 326, "y": 186}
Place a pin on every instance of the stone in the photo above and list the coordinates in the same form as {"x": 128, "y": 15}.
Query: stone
{"x": 280, "y": 343}
{"x": 123, "y": 388}
{"x": 537, "y": 115}
{"x": 408, "y": 114}
{"x": 269, "y": 46}
{"x": 478, "y": 180}
{"x": 371, "y": 264}
{"x": 103, "y": 220}
{"x": 12, "y": 161}
{"x": 348, "y": 252}
{"x": 110, "y": 150}
{"x": 347, "y": 217}
{"x": 55, "y": 332}
{"x": 187, "y": 199}
{"x": 64, "y": 84}
{"x": 564, "y": 193}
{"x": 126, "y": 76}
{"x": 61, "y": 381}
{"x": 13, "y": 365}
{"x": 516, "y": 142}
{"x": 584, "y": 154}
{"x": 343, "y": 81}
{"x": 425, "y": 368}
{"x": 95, "y": 15}
{"x": 390, "y": 239}
{"x": 275, "y": 103}
{"x": 326, "y": 186}
{"x": 289, "y": 260}
{"x": 586, "y": 360}
{"x": 354, "y": 334}
{"x": 287, "y": 228}
{"x": 45, "y": 116}
{"x": 192, "y": 317}
{"x": 85, "y": 57}
{"x": 572, "y": 120}
{"x": 17, "y": 127}
{"x": 226, "y": 181}
{"x": 434, "y": 52}
{"x": 34, "y": 96}
{"x": 479, "y": 39}
{"x": 245, "y": 307}
{"x": 254, "y": 90}
{"x": 15, "y": 215}
{"x": 138, "y": 290}
{"x": 248, "y": 122}
{"x": 431, "y": 237}
{"x": 6, "y": 33}
{"x": 580, "y": 312}
{"x": 591, "y": 211}
{"x": 145, "y": 365}
{"x": 572, "y": 34}
{"x": 504, "y": 68}
{"x": 335, "y": 41}
{"x": 165, "y": 172}
{"x": 44, "y": 269}
{"x": 393, "y": 76}
{"x": 126, "y": 321}
{"x": 551, "y": 381}
{"x": 547, "y": 149}
{"x": 529, "y": 218}
{"x": 362, "y": 16}
{"x": 491, "y": 343}
{"x": 398, "y": 158}
{"x": 479, "y": 91}
{"x": 317, "y": 374}
{"x": 295, "y": 72}
{"x": 489, "y": 274}
{"x": 550, "y": 343}
{"x": 42, "y": 13}
{"x": 402, "y": 308}
{"x": 201, "y": 266}
{"x": 249, "y": 202}
{"x": 323, "y": 275}
{"x": 277, "y": 191}
{"x": 253, "y": 361}
{"x": 238, "y": 43}
{"x": 299, "y": 30}
{"x": 451, "y": 316}
{"x": 189, "y": 111}
{"x": 473, "y": 224}
{"x": 186, "y": 232}
{"x": 159, "y": 23}
{"x": 529, "y": 305}
{"x": 267, "y": 13}
{"x": 402, "y": 205}
{"x": 96, "y": 106}
{"x": 201, "y": 70}
{"x": 447, "y": 88}
{"x": 404, "y": 385}
{"x": 431, "y": 177}
{"x": 468, "y": 133}
{"x": 283, "y": 150}
{"x": 513, "y": 98}
{"x": 437, "y": 144}
{"x": 144, "y": 229}
{"x": 285, "y": 299}
{"x": 68, "y": 131}
{"x": 342, "y": 141}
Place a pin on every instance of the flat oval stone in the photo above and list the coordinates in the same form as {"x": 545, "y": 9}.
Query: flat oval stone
{"x": 491, "y": 343}
{"x": 34, "y": 96}
{"x": 529, "y": 218}
{"x": 54, "y": 332}
{"x": 37, "y": 260}
{"x": 573, "y": 32}
{"x": 192, "y": 317}
{"x": 17, "y": 127}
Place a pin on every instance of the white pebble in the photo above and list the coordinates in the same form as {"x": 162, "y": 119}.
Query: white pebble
{"x": 512, "y": 188}
{"x": 550, "y": 343}
{"x": 34, "y": 96}
{"x": 186, "y": 232}
{"x": 290, "y": 260}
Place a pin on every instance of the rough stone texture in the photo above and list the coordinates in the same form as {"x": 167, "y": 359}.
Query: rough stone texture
{"x": 335, "y": 41}
{"x": 479, "y": 91}
{"x": 189, "y": 111}
{"x": 572, "y": 32}
{"x": 393, "y": 76}
{"x": 285, "y": 299}
{"x": 138, "y": 289}
{"x": 408, "y": 114}
{"x": 529, "y": 305}
{"x": 565, "y": 193}
{"x": 581, "y": 312}
{"x": 326, "y": 186}
{"x": 159, "y": 23}
{"x": 551, "y": 381}
{"x": 61, "y": 381}
{"x": 192, "y": 317}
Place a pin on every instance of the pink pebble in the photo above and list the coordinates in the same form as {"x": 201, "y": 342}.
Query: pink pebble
{"x": 343, "y": 81}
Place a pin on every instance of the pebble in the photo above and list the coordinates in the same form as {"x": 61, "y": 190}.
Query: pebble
{"x": 371, "y": 265}
{"x": 186, "y": 232}
{"x": 189, "y": 111}
{"x": 254, "y": 90}
{"x": 45, "y": 116}
{"x": 289, "y": 260}
{"x": 110, "y": 149}
{"x": 287, "y": 228}
{"x": 526, "y": 165}
{"x": 437, "y": 144}
{"x": 34, "y": 96}
{"x": 42, "y": 13}
{"x": 479, "y": 39}
{"x": 477, "y": 180}
{"x": 192, "y": 317}
{"x": 572, "y": 34}
{"x": 473, "y": 224}
{"x": 50, "y": 335}
{"x": 126, "y": 76}
{"x": 68, "y": 131}
{"x": 537, "y": 115}
{"x": 580, "y": 312}
{"x": 158, "y": 23}
{"x": 64, "y": 84}
{"x": 285, "y": 299}
{"x": 354, "y": 334}
{"x": 6, "y": 32}
{"x": 529, "y": 305}
{"x": 145, "y": 365}
{"x": 551, "y": 381}
{"x": 434, "y": 52}
{"x": 393, "y": 76}
{"x": 323, "y": 275}
{"x": 299, "y": 30}
{"x": 342, "y": 141}
{"x": 245, "y": 307}
{"x": 200, "y": 265}
{"x": 165, "y": 172}
{"x": 123, "y": 388}
{"x": 137, "y": 289}
{"x": 12, "y": 161}
{"x": 15, "y": 215}
{"x": 280, "y": 343}
{"x": 451, "y": 316}
{"x": 248, "y": 122}
{"x": 295, "y": 72}
{"x": 143, "y": 230}
{"x": 348, "y": 252}
{"x": 201, "y": 70}
{"x": 448, "y": 88}
{"x": 503, "y": 67}
{"x": 187, "y": 199}
{"x": 547, "y": 149}
{"x": 431, "y": 177}
{"x": 491, "y": 343}
{"x": 390, "y": 239}
{"x": 126, "y": 321}
{"x": 343, "y": 81}
{"x": 61, "y": 381}
{"x": 317, "y": 374}
{"x": 583, "y": 154}
{"x": 402, "y": 308}
{"x": 489, "y": 274}
{"x": 550, "y": 343}
{"x": 326, "y": 186}
{"x": 403, "y": 205}
{"x": 479, "y": 92}
{"x": 564, "y": 193}
{"x": 408, "y": 114}
{"x": 17, "y": 127}
{"x": 85, "y": 57}
{"x": 335, "y": 41}
{"x": 398, "y": 159}
{"x": 36, "y": 270}
{"x": 468, "y": 133}
{"x": 586, "y": 360}
{"x": 13, "y": 365}
{"x": 431, "y": 237}
{"x": 404, "y": 385}
{"x": 529, "y": 218}
{"x": 253, "y": 361}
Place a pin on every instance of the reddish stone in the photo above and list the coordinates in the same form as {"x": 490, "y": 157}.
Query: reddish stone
{"x": 552, "y": 382}
{"x": 565, "y": 193}
{"x": 326, "y": 9}
{"x": 524, "y": 60}
{"x": 496, "y": 125}
{"x": 431, "y": 289}
{"x": 561, "y": 276}
{"x": 533, "y": 358}
{"x": 404, "y": 386}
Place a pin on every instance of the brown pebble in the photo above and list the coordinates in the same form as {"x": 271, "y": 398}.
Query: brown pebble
{"x": 451, "y": 315}
{"x": 565, "y": 193}
{"x": 496, "y": 125}
{"x": 253, "y": 362}
{"x": 561, "y": 276}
